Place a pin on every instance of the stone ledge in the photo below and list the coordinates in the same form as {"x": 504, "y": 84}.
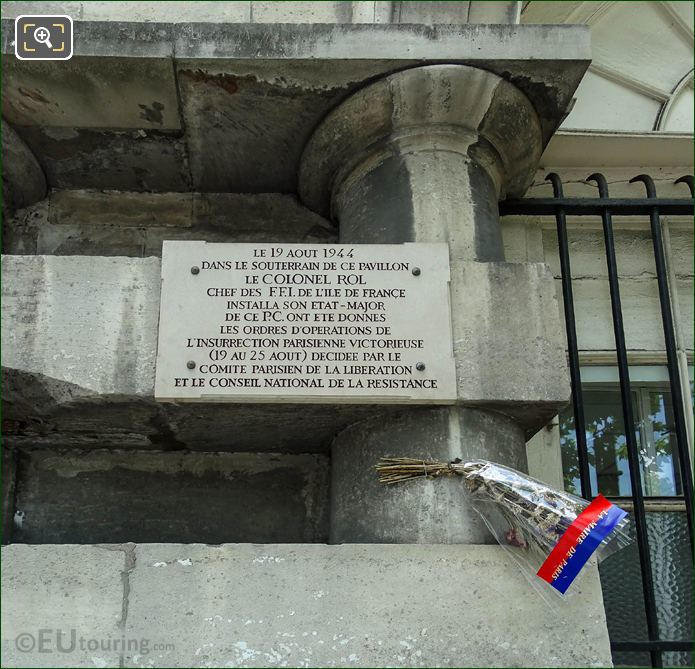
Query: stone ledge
{"x": 330, "y": 41}
{"x": 164, "y": 106}
{"x": 118, "y": 223}
{"x": 245, "y": 605}
{"x": 80, "y": 337}
{"x": 109, "y": 495}
{"x": 270, "y": 12}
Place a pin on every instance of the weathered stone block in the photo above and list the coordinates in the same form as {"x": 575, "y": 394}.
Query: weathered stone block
{"x": 77, "y": 240}
{"x": 71, "y": 589}
{"x": 140, "y": 93}
{"x": 508, "y": 341}
{"x": 87, "y": 322}
{"x": 23, "y": 180}
{"x": 115, "y": 496}
{"x": 301, "y": 605}
{"x": 136, "y": 160}
{"x": 133, "y": 224}
{"x": 122, "y": 209}
{"x": 9, "y": 484}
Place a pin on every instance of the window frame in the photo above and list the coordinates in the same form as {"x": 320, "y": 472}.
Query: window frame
{"x": 643, "y": 379}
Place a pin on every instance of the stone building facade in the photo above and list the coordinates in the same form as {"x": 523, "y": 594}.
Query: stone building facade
{"x": 256, "y": 534}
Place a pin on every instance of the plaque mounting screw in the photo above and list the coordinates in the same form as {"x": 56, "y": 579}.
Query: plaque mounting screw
{"x": 190, "y": 364}
{"x": 195, "y": 270}
{"x": 420, "y": 366}
{"x": 416, "y": 271}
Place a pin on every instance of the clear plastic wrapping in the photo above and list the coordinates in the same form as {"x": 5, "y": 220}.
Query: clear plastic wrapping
{"x": 530, "y": 517}
{"x": 550, "y": 534}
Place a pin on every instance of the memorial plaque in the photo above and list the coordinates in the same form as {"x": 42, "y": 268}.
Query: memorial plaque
{"x": 305, "y": 323}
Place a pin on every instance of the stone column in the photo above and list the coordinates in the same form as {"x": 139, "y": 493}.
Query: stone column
{"x": 424, "y": 155}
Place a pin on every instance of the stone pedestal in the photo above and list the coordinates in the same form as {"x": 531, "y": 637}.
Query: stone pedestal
{"x": 424, "y": 155}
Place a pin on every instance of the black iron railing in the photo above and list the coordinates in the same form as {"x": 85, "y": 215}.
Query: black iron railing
{"x": 652, "y": 207}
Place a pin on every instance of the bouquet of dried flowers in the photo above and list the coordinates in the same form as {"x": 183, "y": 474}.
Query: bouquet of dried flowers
{"x": 555, "y": 532}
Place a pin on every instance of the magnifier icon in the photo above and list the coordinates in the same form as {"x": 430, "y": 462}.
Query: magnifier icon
{"x": 43, "y": 36}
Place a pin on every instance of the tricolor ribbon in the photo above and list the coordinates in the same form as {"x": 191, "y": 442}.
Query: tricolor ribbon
{"x": 579, "y": 542}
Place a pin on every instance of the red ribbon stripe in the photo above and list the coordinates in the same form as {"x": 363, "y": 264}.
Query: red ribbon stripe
{"x": 569, "y": 538}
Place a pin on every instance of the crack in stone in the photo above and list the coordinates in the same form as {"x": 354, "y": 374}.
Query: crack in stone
{"x": 128, "y": 550}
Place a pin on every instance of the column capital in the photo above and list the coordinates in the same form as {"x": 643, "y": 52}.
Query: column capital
{"x": 448, "y": 108}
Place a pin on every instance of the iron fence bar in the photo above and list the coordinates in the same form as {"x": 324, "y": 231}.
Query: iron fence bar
{"x": 584, "y": 206}
{"x": 649, "y": 645}
{"x": 560, "y": 207}
{"x": 629, "y": 423}
{"x": 572, "y": 350}
{"x": 671, "y": 359}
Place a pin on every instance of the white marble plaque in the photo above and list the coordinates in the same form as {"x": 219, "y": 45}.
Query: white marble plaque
{"x": 305, "y": 323}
